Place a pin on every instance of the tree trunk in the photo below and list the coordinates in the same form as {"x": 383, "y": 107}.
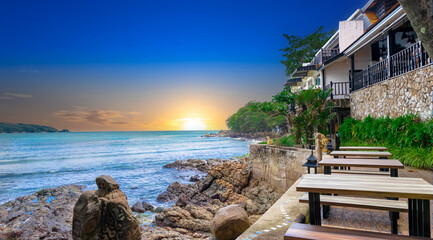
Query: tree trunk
{"x": 419, "y": 13}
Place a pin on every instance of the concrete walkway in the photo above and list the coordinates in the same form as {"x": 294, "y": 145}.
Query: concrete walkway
{"x": 275, "y": 222}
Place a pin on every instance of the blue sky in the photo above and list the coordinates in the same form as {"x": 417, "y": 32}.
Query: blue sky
{"x": 144, "y": 57}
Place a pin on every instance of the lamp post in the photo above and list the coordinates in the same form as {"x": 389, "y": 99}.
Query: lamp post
{"x": 311, "y": 162}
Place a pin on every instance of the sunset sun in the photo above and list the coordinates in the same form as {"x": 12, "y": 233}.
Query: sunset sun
{"x": 193, "y": 124}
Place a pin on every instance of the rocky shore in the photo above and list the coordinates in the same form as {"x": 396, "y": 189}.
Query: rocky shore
{"x": 245, "y": 136}
{"x": 47, "y": 214}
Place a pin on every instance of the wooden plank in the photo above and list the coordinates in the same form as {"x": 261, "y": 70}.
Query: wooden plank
{"x": 369, "y": 203}
{"x": 363, "y": 185}
{"x": 348, "y": 148}
{"x": 360, "y": 153}
{"x": 366, "y": 163}
{"x": 360, "y": 172}
{"x": 298, "y": 231}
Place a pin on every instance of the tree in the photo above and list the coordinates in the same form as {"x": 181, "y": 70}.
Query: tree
{"x": 419, "y": 13}
{"x": 313, "y": 114}
{"x": 246, "y": 120}
{"x": 303, "y": 49}
{"x": 313, "y": 111}
{"x": 278, "y": 106}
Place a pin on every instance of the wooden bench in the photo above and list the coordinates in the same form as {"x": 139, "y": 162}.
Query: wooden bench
{"x": 393, "y": 206}
{"x": 361, "y": 172}
{"x": 366, "y": 148}
{"x": 304, "y": 231}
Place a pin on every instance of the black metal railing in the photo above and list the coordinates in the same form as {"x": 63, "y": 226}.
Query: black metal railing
{"x": 338, "y": 89}
{"x": 407, "y": 60}
{"x": 324, "y": 55}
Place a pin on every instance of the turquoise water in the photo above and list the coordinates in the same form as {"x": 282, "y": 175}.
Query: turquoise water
{"x": 33, "y": 161}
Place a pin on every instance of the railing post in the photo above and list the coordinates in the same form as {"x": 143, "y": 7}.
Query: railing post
{"x": 332, "y": 91}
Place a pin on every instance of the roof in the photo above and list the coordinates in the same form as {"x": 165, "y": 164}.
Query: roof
{"x": 293, "y": 82}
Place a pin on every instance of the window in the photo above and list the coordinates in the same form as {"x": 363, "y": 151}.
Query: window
{"x": 318, "y": 81}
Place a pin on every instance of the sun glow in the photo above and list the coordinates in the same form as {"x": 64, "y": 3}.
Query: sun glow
{"x": 193, "y": 124}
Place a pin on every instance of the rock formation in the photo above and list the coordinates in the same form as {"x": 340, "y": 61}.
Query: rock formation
{"x": 226, "y": 184}
{"x": 198, "y": 165}
{"x": 46, "y": 214}
{"x": 229, "y": 222}
{"x": 104, "y": 214}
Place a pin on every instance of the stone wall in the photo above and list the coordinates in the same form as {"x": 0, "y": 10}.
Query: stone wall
{"x": 280, "y": 166}
{"x": 407, "y": 93}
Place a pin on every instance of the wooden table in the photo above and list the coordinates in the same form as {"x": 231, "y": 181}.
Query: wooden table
{"x": 363, "y": 149}
{"x": 418, "y": 191}
{"x": 392, "y": 164}
{"x": 360, "y": 154}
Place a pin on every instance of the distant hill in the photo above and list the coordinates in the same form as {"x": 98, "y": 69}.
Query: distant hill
{"x": 26, "y": 128}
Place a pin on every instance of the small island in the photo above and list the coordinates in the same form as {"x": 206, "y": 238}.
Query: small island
{"x": 26, "y": 128}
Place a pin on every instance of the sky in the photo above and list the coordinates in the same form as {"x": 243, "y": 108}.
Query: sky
{"x": 147, "y": 65}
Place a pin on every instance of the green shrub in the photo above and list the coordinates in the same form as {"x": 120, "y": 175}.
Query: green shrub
{"x": 409, "y": 139}
{"x": 288, "y": 141}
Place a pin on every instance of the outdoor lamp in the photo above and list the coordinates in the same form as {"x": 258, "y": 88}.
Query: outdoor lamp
{"x": 311, "y": 162}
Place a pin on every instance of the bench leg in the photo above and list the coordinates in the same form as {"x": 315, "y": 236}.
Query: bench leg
{"x": 326, "y": 209}
{"x": 394, "y": 227}
{"x": 384, "y": 169}
{"x": 314, "y": 204}
{"x": 419, "y": 217}
{"x": 394, "y": 172}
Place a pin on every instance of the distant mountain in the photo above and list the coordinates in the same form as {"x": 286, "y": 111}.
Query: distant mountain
{"x": 26, "y": 128}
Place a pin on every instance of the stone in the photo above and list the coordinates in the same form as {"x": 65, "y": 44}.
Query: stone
{"x": 147, "y": 206}
{"x": 194, "y": 178}
{"x": 104, "y": 213}
{"x": 138, "y": 207}
{"x": 229, "y": 223}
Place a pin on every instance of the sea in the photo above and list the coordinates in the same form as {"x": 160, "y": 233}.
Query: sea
{"x": 30, "y": 162}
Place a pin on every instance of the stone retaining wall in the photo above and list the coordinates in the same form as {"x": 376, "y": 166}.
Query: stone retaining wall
{"x": 408, "y": 93}
{"x": 280, "y": 166}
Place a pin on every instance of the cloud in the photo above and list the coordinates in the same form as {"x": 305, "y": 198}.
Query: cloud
{"x": 12, "y": 96}
{"x": 102, "y": 117}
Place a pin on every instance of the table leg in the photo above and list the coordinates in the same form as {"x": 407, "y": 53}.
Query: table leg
{"x": 326, "y": 208}
{"x": 394, "y": 226}
{"x": 314, "y": 203}
{"x": 419, "y": 217}
{"x": 394, "y": 172}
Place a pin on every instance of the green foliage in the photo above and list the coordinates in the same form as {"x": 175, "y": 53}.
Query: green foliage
{"x": 409, "y": 139}
{"x": 30, "y": 128}
{"x": 279, "y": 104}
{"x": 303, "y": 49}
{"x": 288, "y": 141}
{"x": 246, "y": 120}
{"x": 313, "y": 114}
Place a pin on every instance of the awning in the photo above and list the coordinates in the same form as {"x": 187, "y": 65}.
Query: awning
{"x": 293, "y": 82}
{"x": 303, "y": 71}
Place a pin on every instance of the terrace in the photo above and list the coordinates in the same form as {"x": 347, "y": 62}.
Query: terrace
{"x": 407, "y": 60}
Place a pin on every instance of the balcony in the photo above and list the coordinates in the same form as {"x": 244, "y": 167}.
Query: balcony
{"x": 409, "y": 59}
{"x": 324, "y": 55}
{"x": 340, "y": 90}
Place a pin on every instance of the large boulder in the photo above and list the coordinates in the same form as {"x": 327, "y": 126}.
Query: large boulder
{"x": 104, "y": 214}
{"x": 229, "y": 222}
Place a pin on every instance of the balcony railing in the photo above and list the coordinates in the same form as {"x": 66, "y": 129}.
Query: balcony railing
{"x": 407, "y": 60}
{"x": 339, "y": 89}
{"x": 324, "y": 55}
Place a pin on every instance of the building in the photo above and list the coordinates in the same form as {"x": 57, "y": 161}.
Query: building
{"x": 375, "y": 65}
